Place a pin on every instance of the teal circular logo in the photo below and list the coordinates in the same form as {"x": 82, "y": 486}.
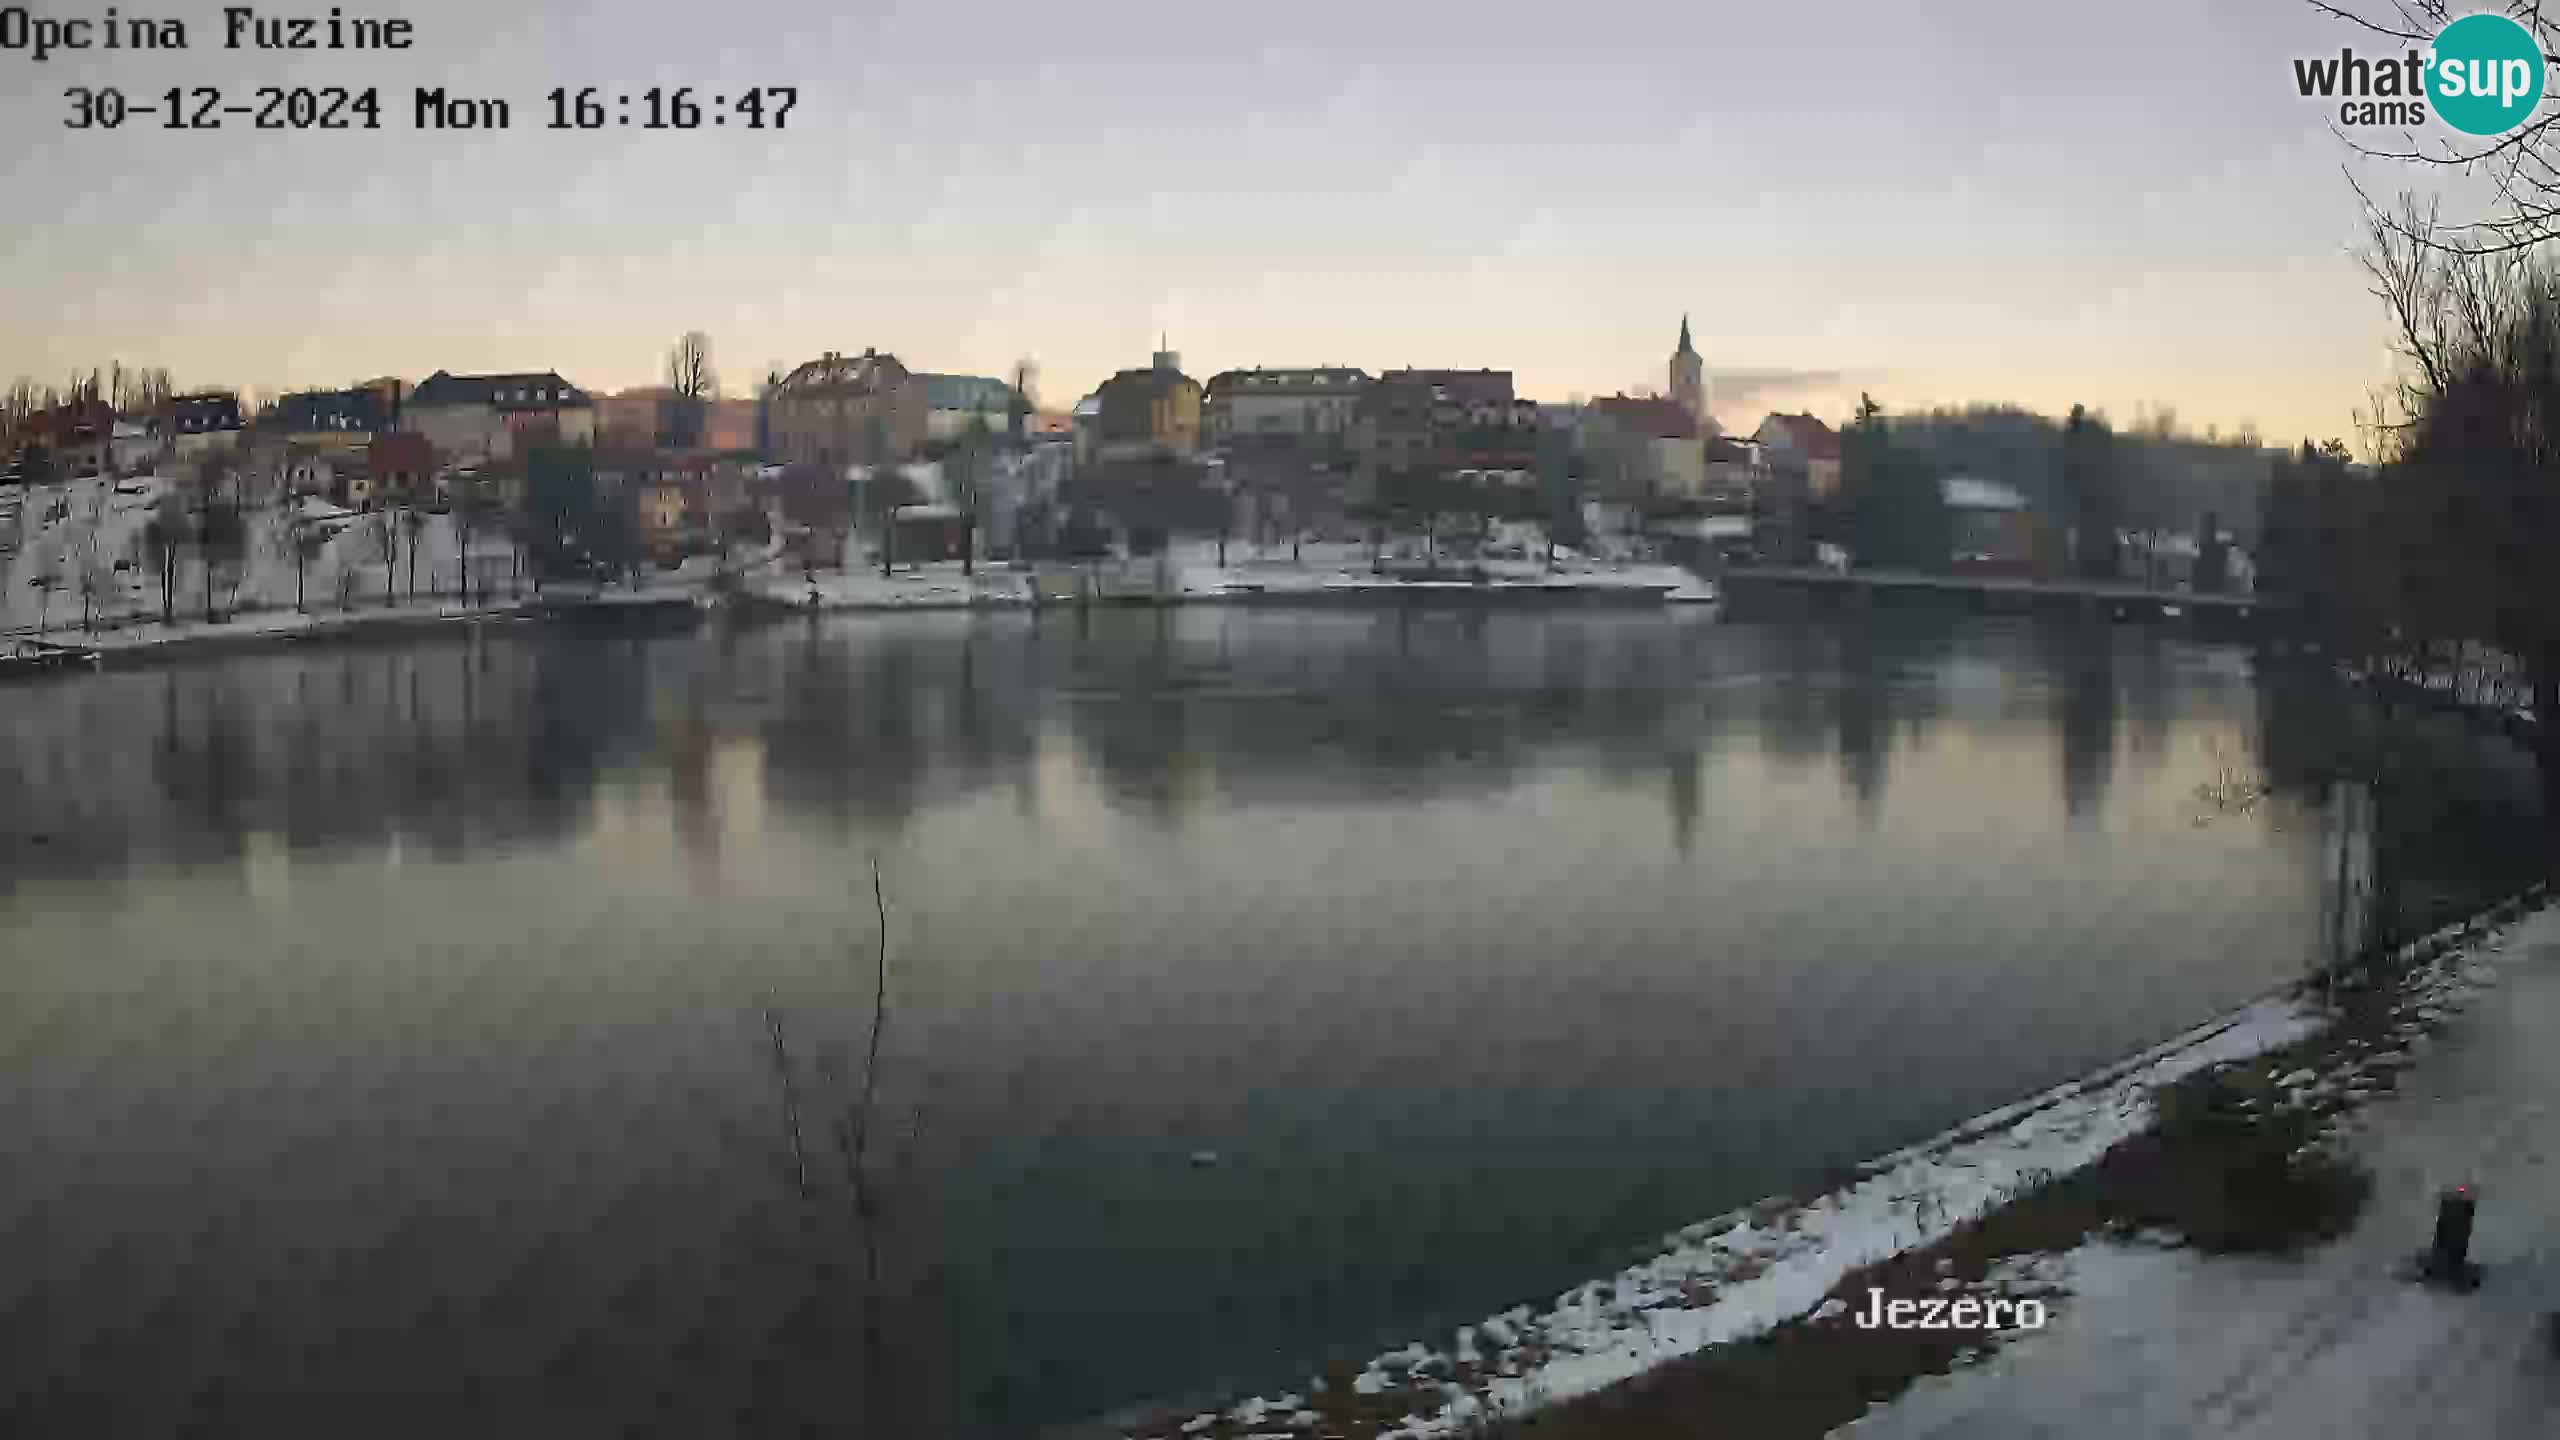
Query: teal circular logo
{"x": 2484, "y": 75}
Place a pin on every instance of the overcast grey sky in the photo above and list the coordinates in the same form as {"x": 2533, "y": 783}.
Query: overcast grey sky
{"x": 2119, "y": 205}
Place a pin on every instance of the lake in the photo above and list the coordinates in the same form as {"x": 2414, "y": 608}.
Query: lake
{"x": 489, "y": 1023}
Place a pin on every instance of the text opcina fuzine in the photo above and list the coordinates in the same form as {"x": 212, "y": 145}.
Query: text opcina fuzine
{"x": 240, "y": 27}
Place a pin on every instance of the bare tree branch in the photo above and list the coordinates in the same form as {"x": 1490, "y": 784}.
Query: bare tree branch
{"x": 689, "y": 371}
{"x": 2522, "y": 167}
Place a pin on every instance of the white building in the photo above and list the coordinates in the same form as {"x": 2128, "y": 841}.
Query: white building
{"x": 133, "y": 448}
{"x": 953, "y": 403}
{"x": 489, "y": 417}
{"x": 202, "y": 424}
{"x": 1643, "y": 447}
{"x": 1321, "y": 402}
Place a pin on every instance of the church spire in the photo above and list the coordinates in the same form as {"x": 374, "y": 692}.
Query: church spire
{"x": 1689, "y": 379}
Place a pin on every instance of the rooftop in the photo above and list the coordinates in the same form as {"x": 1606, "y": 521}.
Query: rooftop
{"x": 1319, "y": 380}
{"x": 1803, "y": 432}
{"x": 360, "y": 410}
{"x": 545, "y": 390}
{"x": 966, "y": 392}
{"x": 1649, "y": 415}
{"x": 1966, "y": 492}
{"x": 869, "y": 372}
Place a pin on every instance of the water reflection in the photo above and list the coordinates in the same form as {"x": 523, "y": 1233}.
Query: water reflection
{"x": 2083, "y": 655}
{"x": 473, "y": 993}
{"x": 467, "y": 746}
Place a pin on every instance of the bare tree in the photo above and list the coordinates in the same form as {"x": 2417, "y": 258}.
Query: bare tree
{"x": 20, "y": 402}
{"x": 966, "y": 472}
{"x": 1025, "y": 397}
{"x": 2448, "y": 308}
{"x": 413, "y": 526}
{"x": 95, "y": 574}
{"x": 383, "y": 531}
{"x": 163, "y": 538}
{"x": 689, "y": 371}
{"x": 308, "y": 542}
{"x": 2522, "y": 167}
{"x": 690, "y": 376}
{"x": 48, "y": 578}
{"x": 475, "y": 512}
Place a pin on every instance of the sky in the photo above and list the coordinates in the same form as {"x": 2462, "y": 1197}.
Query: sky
{"x": 1976, "y": 200}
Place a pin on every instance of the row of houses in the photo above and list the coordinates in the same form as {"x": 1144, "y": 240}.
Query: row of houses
{"x": 1338, "y": 441}
{"x": 867, "y": 408}
{"x": 1268, "y": 449}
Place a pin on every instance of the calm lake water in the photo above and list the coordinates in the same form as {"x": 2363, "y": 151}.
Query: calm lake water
{"x": 401, "y": 1022}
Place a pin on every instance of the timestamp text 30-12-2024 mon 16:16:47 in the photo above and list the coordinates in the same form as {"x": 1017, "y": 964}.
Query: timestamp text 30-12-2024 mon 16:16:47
{"x": 206, "y": 107}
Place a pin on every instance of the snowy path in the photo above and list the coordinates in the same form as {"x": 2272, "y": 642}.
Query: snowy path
{"x": 2165, "y": 1343}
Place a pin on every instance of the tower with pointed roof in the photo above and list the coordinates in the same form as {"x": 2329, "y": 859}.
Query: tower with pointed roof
{"x": 1689, "y": 378}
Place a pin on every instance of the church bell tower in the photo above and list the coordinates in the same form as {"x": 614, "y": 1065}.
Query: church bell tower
{"x": 1689, "y": 379}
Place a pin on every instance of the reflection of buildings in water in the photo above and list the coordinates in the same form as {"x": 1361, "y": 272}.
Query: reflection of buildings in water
{"x": 2081, "y": 653}
{"x": 1681, "y": 790}
{"x": 869, "y": 720}
{"x": 691, "y": 748}
{"x": 1865, "y": 716}
{"x": 2147, "y": 682}
{"x": 1370, "y": 707}
{"x": 436, "y": 741}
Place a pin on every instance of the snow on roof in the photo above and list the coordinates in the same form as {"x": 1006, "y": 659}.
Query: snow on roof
{"x": 1708, "y": 527}
{"x": 966, "y": 392}
{"x": 1965, "y": 492}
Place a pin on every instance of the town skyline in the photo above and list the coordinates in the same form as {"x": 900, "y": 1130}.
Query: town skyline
{"x": 2154, "y": 223}
{"x": 1735, "y": 397}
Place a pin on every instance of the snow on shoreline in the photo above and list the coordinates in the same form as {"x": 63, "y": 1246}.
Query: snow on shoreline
{"x": 1185, "y": 578}
{"x": 1746, "y": 1272}
{"x": 1750, "y": 1270}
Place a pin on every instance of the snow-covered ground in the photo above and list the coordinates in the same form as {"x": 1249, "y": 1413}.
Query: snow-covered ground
{"x": 1744, "y": 1273}
{"x": 2480, "y": 679}
{"x": 1189, "y": 571}
{"x": 57, "y": 533}
{"x": 102, "y": 522}
{"x": 2163, "y": 1343}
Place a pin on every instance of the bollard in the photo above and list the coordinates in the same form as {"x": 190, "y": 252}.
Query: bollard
{"x": 2449, "y": 1260}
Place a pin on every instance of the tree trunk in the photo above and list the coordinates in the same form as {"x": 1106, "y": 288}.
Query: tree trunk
{"x": 2546, "y": 734}
{"x": 300, "y": 562}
